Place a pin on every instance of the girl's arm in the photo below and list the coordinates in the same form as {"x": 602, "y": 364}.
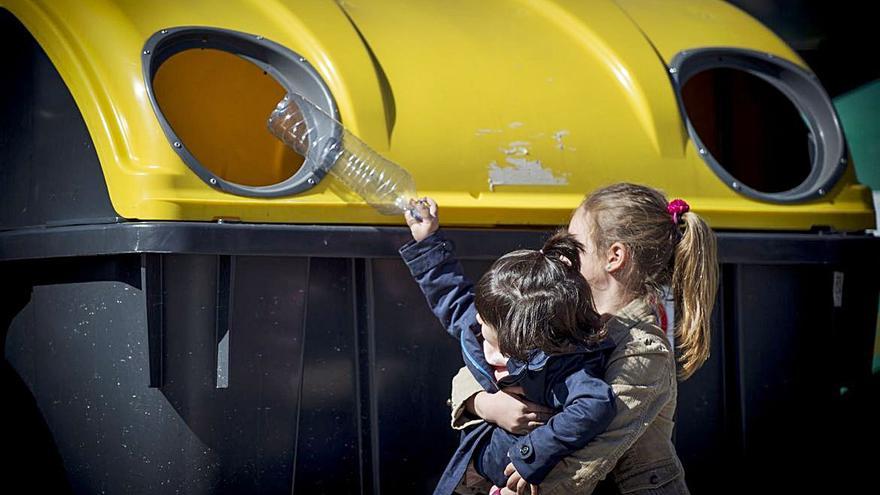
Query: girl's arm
{"x": 587, "y": 409}
{"x": 642, "y": 376}
{"x": 511, "y": 412}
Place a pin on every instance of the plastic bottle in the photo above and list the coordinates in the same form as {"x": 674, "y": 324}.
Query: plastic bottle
{"x": 317, "y": 136}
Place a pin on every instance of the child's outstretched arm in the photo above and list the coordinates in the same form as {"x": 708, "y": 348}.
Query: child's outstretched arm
{"x": 431, "y": 259}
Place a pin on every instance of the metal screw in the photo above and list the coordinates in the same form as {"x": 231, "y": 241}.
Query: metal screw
{"x": 769, "y": 55}
{"x": 213, "y": 181}
{"x": 843, "y": 160}
{"x": 311, "y": 181}
{"x": 146, "y": 52}
{"x": 177, "y": 144}
{"x": 164, "y": 31}
{"x": 673, "y": 70}
{"x": 259, "y": 37}
{"x": 735, "y": 185}
{"x": 821, "y": 192}
{"x": 302, "y": 59}
{"x": 702, "y": 151}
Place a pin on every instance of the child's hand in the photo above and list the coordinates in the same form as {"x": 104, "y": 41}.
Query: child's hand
{"x": 512, "y": 413}
{"x": 428, "y": 223}
{"x": 516, "y": 483}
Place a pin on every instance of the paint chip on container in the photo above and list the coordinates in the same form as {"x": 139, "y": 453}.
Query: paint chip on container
{"x": 516, "y": 148}
{"x": 558, "y": 136}
{"x": 484, "y": 132}
{"x": 523, "y": 172}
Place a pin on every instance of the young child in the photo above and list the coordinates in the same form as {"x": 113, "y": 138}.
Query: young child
{"x": 530, "y": 323}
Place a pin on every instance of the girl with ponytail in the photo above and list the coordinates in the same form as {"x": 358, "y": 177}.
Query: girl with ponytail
{"x": 527, "y": 327}
{"x": 664, "y": 244}
{"x": 636, "y": 244}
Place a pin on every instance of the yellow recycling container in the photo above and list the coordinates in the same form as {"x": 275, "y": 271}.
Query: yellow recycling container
{"x": 506, "y": 112}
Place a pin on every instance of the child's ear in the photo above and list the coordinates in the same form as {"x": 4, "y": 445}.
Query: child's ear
{"x": 617, "y": 256}
{"x": 480, "y": 319}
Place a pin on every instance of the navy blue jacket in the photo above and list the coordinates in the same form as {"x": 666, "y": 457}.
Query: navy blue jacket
{"x": 566, "y": 382}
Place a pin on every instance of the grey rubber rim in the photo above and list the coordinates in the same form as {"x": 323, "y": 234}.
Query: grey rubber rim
{"x": 803, "y": 90}
{"x": 291, "y": 70}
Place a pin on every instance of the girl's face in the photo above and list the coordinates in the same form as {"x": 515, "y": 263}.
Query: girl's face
{"x": 592, "y": 264}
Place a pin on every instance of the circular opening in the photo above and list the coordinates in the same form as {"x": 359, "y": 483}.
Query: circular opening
{"x": 213, "y": 91}
{"x": 753, "y": 130}
{"x": 217, "y": 104}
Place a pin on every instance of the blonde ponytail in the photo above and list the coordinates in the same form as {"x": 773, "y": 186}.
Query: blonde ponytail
{"x": 694, "y": 285}
{"x": 662, "y": 254}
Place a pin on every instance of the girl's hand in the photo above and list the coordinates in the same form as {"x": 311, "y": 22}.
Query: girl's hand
{"x": 509, "y": 411}
{"x": 428, "y": 223}
{"x": 516, "y": 483}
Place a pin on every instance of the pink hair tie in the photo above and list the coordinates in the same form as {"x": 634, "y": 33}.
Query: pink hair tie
{"x": 677, "y": 208}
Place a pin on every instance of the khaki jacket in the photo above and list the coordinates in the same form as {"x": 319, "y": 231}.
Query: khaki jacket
{"x": 636, "y": 449}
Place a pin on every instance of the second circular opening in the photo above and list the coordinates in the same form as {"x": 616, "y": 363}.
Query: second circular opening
{"x": 753, "y": 130}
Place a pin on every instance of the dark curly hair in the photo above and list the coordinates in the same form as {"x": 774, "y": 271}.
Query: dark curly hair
{"x": 539, "y": 300}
